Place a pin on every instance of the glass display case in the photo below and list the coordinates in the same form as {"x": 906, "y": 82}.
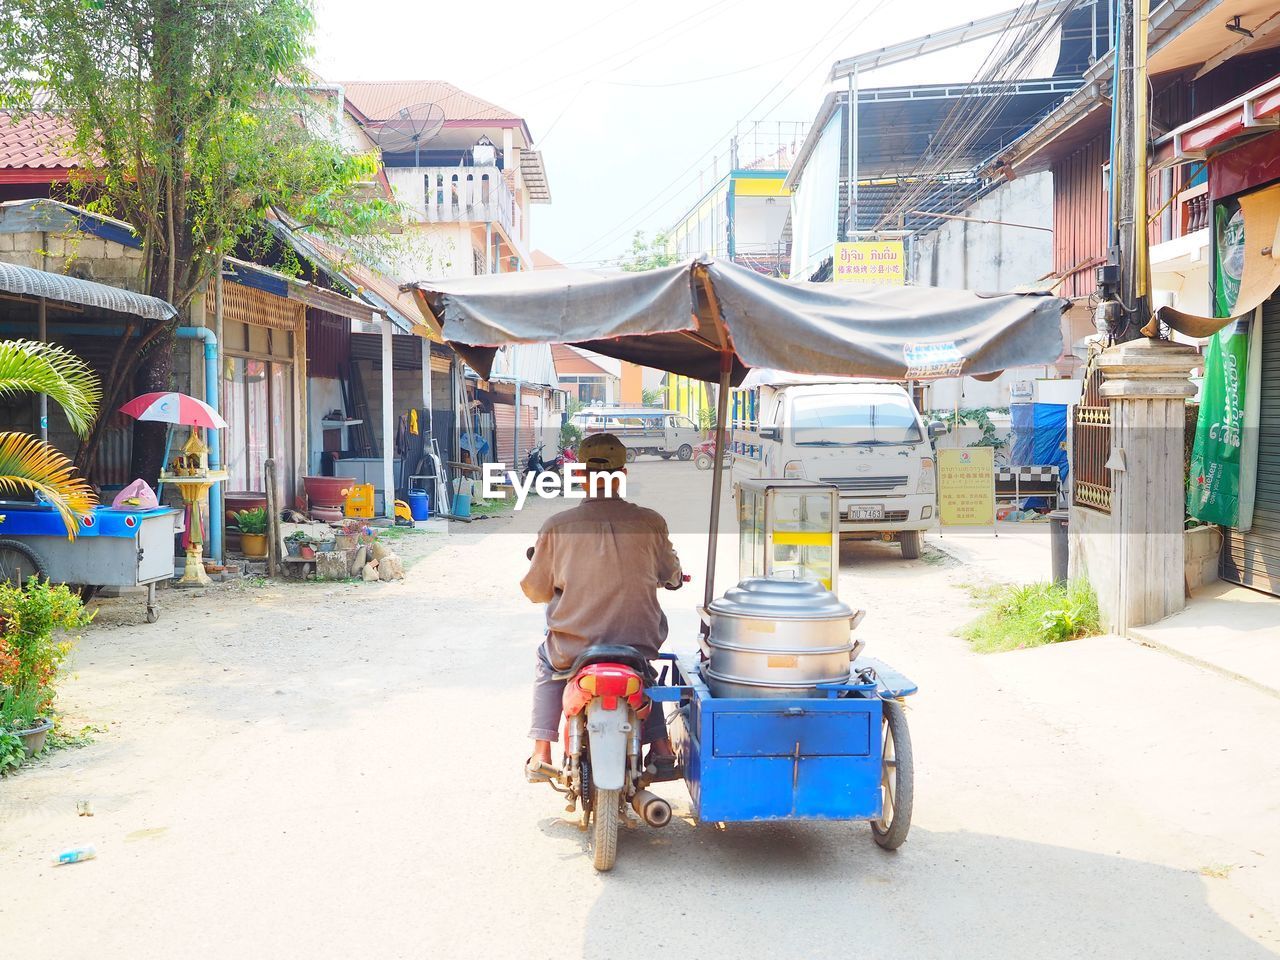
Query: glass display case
{"x": 788, "y": 529}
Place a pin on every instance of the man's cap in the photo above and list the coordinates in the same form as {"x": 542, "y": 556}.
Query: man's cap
{"x": 602, "y": 451}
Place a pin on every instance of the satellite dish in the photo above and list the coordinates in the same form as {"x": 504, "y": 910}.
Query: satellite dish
{"x": 409, "y": 129}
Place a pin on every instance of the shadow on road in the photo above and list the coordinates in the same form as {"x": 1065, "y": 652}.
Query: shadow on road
{"x": 825, "y": 890}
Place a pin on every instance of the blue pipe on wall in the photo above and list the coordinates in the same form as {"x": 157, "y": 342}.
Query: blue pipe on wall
{"x": 215, "y": 438}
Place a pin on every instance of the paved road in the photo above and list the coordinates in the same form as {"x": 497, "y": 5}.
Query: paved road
{"x": 334, "y": 771}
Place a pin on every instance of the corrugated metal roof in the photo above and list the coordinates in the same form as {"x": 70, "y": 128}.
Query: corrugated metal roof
{"x": 530, "y": 361}
{"x": 36, "y": 141}
{"x": 370, "y": 285}
{"x": 382, "y": 99}
{"x": 29, "y": 282}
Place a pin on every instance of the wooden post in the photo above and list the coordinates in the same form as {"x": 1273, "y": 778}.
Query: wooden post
{"x": 273, "y": 519}
{"x": 388, "y": 421}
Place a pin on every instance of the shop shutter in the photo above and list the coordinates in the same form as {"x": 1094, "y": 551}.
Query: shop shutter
{"x": 504, "y": 427}
{"x": 504, "y": 420}
{"x": 1253, "y": 559}
{"x": 528, "y": 438}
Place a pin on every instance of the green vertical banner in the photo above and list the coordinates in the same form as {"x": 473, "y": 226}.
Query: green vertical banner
{"x": 1213, "y": 484}
{"x": 1228, "y": 228}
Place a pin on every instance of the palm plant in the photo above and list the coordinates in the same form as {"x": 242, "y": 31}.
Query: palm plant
{"x": 28, "y": 463}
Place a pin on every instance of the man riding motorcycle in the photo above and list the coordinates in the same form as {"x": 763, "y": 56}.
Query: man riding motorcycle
{"x": 597, "y": 567}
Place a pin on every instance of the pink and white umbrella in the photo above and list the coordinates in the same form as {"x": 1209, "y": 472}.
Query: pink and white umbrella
{"x": 173, "y": 408}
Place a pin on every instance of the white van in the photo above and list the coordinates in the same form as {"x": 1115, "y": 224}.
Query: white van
{"x": 662, "y": 433}
{"x": 865, "y": 437}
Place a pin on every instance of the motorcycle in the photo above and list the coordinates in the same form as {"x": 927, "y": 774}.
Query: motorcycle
{"x": 536, "y": 463}
{"x": 605, "y": 707}
{"x": 704, "y": 455}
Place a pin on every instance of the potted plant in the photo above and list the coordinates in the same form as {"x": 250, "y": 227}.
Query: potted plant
{"x": 253, "y": 532}
{"x": 349, "y": 535}
{"x": 33, "y": 646}
{"x": 301, "y": 544}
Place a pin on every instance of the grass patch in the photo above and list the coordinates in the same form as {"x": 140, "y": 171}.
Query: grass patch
{"x": 1017, "y": 617}
{"x": 399, "y": 533}
{"x": 490, "y": 507}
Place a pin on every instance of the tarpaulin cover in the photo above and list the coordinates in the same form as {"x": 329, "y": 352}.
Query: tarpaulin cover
{"x": 1039, "y": 436}
{"x": 666, "y": 319}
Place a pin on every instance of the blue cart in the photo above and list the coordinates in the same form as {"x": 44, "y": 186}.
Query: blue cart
{"x": 112, "y": 548}
{"x": 843, "y": 757}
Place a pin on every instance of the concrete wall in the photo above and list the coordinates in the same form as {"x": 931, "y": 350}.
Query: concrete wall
{"x": 80, "y": 255}
{"x": 989, "y": 257}
{"x": 1093, "y": 556}
{"x": 981, "y": 256}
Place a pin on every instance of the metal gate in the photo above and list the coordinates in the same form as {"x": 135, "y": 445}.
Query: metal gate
{"x": 1252, "y": 559}
{"x": 1091, "y": 444}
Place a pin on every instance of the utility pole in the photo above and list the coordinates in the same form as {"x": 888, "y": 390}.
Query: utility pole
{"x": 1124, "y": 281}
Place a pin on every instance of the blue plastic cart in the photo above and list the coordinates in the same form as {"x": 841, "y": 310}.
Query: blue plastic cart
{"x": 112, "y": 548}
{"x": 843, "y": 757}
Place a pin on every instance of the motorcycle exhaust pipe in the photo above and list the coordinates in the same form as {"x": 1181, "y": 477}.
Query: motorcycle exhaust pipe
{"x": 655, "y": 811}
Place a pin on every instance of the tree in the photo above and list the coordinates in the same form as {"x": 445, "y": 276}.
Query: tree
{"x": 198, "y": 118}
{"x": 27, "y": 463}
{"x": 648, "y": 255}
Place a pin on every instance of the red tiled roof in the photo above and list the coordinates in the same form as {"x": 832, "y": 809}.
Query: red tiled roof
{"x": 40, "y": 141}
{"x": 545, "y": 261}
{"x": 382, "y": 99}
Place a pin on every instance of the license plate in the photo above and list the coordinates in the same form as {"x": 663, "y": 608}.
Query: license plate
{"x": 866, "y": 512}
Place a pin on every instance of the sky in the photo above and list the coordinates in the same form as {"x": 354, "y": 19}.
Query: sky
{"x": 631, "y": 100}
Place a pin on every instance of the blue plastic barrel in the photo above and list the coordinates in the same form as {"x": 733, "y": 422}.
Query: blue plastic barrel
{"x": 462, "y": 504}
{"x": 419, "y": 505}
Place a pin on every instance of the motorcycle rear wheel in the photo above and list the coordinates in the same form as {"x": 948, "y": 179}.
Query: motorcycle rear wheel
{"x": 604, "y": 835}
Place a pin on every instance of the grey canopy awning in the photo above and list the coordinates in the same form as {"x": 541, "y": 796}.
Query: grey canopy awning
{"x": 41, "y": 284}
{"x": 684, "y": 319}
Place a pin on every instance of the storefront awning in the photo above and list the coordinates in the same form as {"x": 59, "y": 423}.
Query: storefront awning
{"x": 1259, "y": 267}
{"x": 42, "y": 285}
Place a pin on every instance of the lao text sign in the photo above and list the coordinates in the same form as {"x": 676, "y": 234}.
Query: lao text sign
{"x": 878, "y": 262}
{"x": 967, "y": 487}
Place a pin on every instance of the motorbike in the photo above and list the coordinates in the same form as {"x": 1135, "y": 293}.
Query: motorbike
{"x": 605, "y": 706}
{"x": 704, "y": 455}
{"x": 537, "y": 463}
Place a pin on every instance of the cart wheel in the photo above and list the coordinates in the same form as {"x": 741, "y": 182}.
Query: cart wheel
{"x": 897, "y": 779}
{"x": 604, "y": 835}
{"x": 685, "y": 451}
{"x": 18, "y": 562}
{"x": 152, "y": 614}
{"x": 910, "y": 542}
{"x": 631, "y": 455}
{"x": 703, "y": 461}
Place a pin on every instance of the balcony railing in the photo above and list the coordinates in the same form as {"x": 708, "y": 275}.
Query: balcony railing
{"x": 468, "y": 195}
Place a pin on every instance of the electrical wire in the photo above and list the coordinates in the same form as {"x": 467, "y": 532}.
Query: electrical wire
{"x": 1014, "y": 52}
{"x": 679, "y": 181}
{"x": 578, "y": 71}
{"x": 696, "y": 80}
{"x": 563, "y": 40}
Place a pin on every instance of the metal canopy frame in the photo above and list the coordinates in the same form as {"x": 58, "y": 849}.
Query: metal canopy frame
{"x": 946, "y": 39}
